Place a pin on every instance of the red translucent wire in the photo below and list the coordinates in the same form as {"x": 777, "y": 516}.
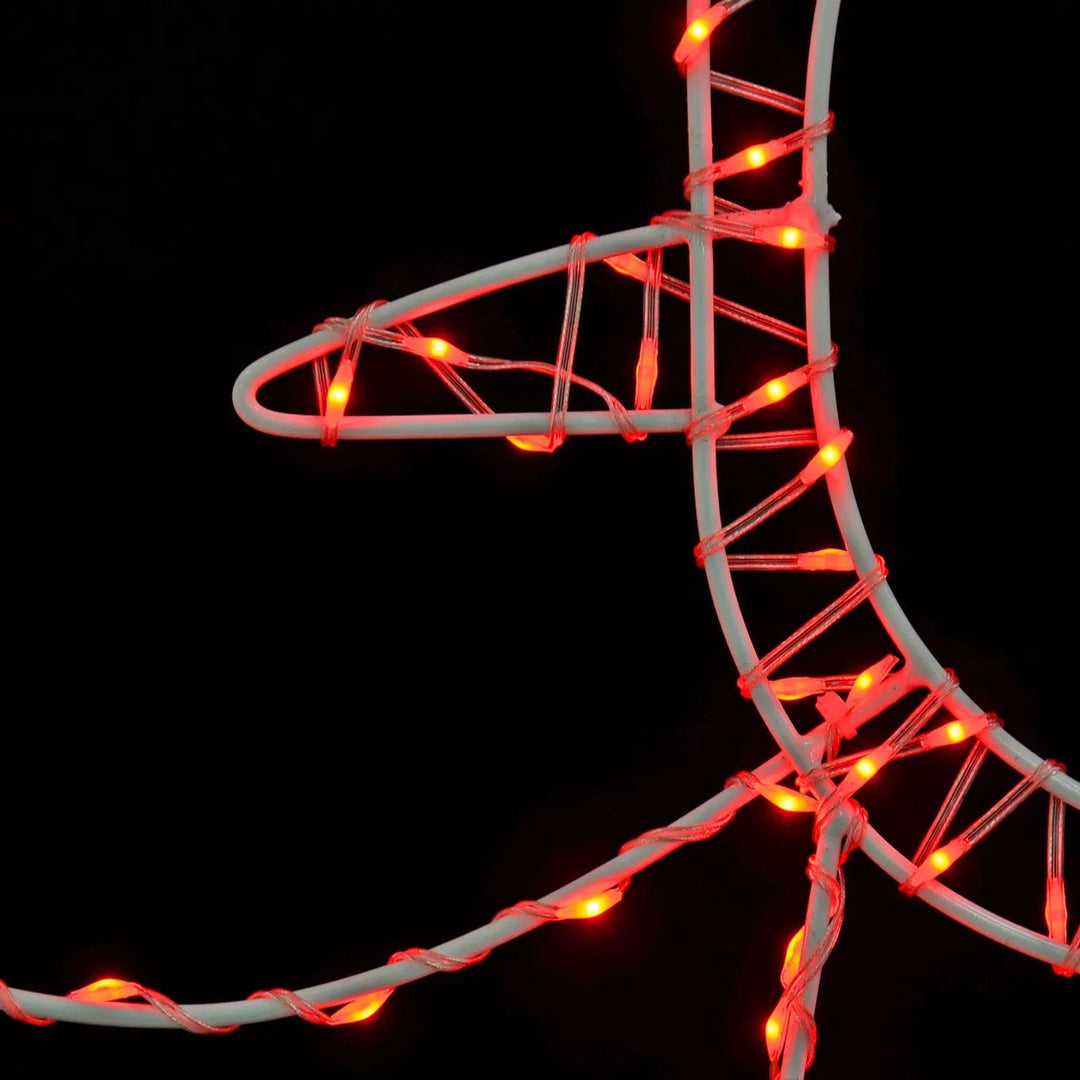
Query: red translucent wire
{"x": 560, "y": 395}
{"x": 940, "y": 860}
{"x": 631, "y": 266}
{"x": 814, "y": 628}
{"x": 763, "y": 95}
{"x": 823, "y": 559}
{"x": 827, "y": 457}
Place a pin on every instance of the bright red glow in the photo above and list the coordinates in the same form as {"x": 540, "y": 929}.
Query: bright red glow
{"x": 592, "y": 906}
{"x": 776, "y": 390}
{"x": 435, "y": 348}
{"x": 791, "y": 801}
{"x": 940, "y": 860}
{"x": 829, "y": 455}
{"x": 361, "y": 1008}
{"x": 826, "y": 457}
{"x": 796, "y": 687}
{"x": 1057, "y": 915}
{"x": 790, "y": 237}
{"x": 627, "y": 264}
{"x": 104, "y": 990}
{"x": 698, "y": 32}
{"x": 773, "y": 1030}
{"x": 645, "y": 374}
{"x": 533, "y": 443}
{"x": 337, "y": 394}
{"x": 866, "y": 767}
{"x": 792, "y": 956}
{"x": 756, "y": 156}
{"x": 864, "y": 681}
{"x": 826, "y": 559}
{"x": 955, "y": 731}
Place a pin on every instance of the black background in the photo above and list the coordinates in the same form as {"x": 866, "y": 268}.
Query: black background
{"x": 278, "y": 711}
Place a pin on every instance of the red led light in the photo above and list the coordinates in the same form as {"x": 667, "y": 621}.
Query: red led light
{"x": 698, "y": 32}
{"x": 941, "y": 860}
{"x": 645, "y": 374}
{"x": 104, "y": 990}
{"x": 792, "y": 956}
{"x": 593, "y": 905}
{"x": 338, "y": 394}
{"x": 955, "y": 731}
{"x": 1057, "y": 915}
{"x": 828, "y": 456}
{"x": 792, "y": 238}
{"x": 627, "y": 264}
{"x": 773, "y": 1030}
{"x": 776, "y": 390}
{"x": 533, "y": 443}
{"x": 756, "y": 156}
{"x": 361, "y": 1008}
{"x": 866, "y": 767}
{"x": 435, "y": 348}
{"x": 826, "y": 559}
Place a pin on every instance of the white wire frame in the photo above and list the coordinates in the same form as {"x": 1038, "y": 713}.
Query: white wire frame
{"x": 917, "y": 656}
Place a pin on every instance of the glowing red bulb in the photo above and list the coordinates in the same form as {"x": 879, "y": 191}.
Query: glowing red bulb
{"x": 776, "y": 390}
{"x": 773, "y": 1030}
{"x": 337, "y": 394}
{"x": 627, "y": 264}
{"x": 593, "y": 905}
{"x": 829, "y": 455}
{"x": 532, "y": 443}
{"x": 866, "y": 767}
{"x": 790, "y": 237}
{"x": 361, "y": 1008}
{"x": 756, "y": 156}
{"x": 698, "y": 32}
{"x": 940, "y": 860}
{"x": 792, "y": 956}
{"x": 825, "y": 559}
{"x": 437, "y": 348}
{"x": 1057, "y": 915}
{"x": 955, "y": 731}
{"x": 645, "y": 374}
{"x": 104, "y": 990}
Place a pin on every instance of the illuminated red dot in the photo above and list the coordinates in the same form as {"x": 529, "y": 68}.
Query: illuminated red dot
{"x": 437, "y": 348}
{"x": 864, "y": 681}
{"x": 955, "y": 731}
{"x": 790, "y": 237}
{"x": 829, "y": 454}
{"x": 940, "y": 860}
{"x": 698, "y": 30}
{"x": 756, "y": 157}
{"x": 865, "y": 767}
{"x": 337, "y": 394}
{"x": 772, "y": 1030}
{"x": 362, "y": 1007}
{"x": 776, "y": 390}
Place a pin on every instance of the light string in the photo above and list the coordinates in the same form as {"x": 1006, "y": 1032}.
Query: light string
{"x": 635, "y": 855}
{"x": 791, "y": 1012}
